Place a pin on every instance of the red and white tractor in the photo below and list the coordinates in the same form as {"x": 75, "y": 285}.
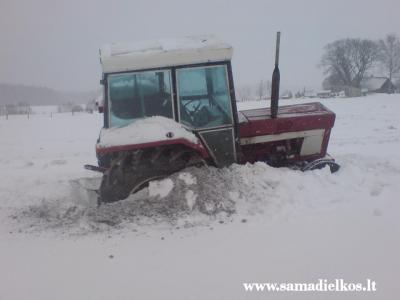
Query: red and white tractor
{"x": 170, "y": 104}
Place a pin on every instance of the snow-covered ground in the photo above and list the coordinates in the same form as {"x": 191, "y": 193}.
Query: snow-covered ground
{"x": 202, "y": 233}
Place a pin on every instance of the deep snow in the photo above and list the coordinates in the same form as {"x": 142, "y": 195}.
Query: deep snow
{"x": 201, "y": 233}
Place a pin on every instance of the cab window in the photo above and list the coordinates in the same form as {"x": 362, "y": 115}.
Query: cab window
{"x": 204, "y": 99}
{"x": 138, "y": 95}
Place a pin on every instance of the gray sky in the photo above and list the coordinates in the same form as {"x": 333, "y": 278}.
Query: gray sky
{"x": 55, "y": 43}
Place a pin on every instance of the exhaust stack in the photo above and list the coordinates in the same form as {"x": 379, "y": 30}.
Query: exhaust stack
{"x": 275, "y": 80}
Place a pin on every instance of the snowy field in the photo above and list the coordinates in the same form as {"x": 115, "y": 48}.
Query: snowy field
{"x": 202, "y": 233}
{"x": 44, "y": 109}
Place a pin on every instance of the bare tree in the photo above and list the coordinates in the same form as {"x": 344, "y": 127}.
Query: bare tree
{"x": 346, "y": 61}
{"x": 263, "y": 89}
{"x": 260, "y": 89}
{"x": 244, "y": 93}
{"x": 389, "y": 55}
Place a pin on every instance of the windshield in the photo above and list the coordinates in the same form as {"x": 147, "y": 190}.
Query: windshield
{"x": 139, "y": 95}
{"x": 204, "y": 99}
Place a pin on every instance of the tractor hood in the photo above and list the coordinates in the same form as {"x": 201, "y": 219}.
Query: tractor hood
{"x": 290, "y": 118}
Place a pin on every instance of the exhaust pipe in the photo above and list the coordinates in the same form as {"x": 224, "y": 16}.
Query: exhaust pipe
{"x": 275, "y": 80}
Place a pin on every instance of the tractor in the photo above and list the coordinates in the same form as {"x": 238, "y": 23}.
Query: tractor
{"x": 170, "y": 104}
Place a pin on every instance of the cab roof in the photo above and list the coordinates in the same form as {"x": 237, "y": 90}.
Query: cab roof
{"x": 120, "y": 57}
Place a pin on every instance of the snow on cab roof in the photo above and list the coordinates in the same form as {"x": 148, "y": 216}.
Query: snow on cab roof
{"x": 120, "y": 57}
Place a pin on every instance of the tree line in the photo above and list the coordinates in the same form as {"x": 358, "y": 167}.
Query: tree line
{"x": 346, "y": 62}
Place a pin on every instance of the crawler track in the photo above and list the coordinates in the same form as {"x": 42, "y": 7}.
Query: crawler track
{"x": 131, "y": 171}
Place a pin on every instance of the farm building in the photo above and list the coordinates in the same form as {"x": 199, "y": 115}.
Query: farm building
{"x": 377, "y": 85}
{"x": 324, "y": 94}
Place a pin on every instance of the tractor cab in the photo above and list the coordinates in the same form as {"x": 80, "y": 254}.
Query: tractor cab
{"x": 188, "y": 80}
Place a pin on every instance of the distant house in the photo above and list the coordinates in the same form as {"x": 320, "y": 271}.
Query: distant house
{"x": 324, "y": 94}
{"x": 309, "y": 94}
{"x": 377, "y": 85}
{"x": 351, "y": 91}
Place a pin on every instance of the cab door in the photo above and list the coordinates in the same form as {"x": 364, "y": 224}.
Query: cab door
{"x": 205, "y": 106}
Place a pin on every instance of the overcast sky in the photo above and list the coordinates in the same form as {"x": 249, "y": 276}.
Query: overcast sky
{"x": 55, "y": 43}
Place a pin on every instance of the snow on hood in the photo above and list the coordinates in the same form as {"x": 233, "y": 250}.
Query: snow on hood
{"x": 142, "y": 131}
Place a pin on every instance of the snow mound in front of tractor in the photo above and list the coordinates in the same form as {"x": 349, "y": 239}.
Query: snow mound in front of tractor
{"x": 194, "y": 197}
{"x": 141, "y": 131}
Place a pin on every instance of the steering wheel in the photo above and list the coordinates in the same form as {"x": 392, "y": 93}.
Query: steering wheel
{"x": 191, "y": 113}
